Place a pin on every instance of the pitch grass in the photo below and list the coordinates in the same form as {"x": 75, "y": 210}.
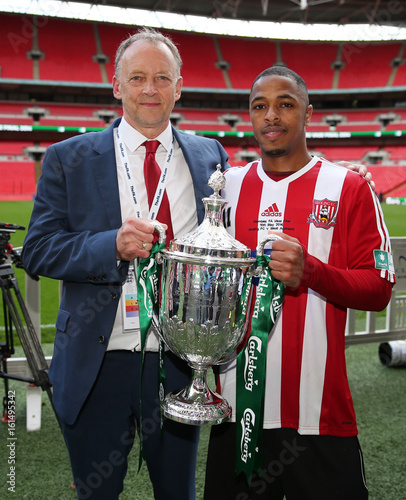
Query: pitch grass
{"x": 379, "y": 393}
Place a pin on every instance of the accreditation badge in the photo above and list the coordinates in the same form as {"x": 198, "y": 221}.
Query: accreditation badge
{"x": 130, "y": 308}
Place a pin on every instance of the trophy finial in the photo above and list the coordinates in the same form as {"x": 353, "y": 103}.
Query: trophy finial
{"x": 217, "y": 181}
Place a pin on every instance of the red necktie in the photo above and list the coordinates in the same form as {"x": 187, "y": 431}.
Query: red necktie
{"x": 152, "y": 173}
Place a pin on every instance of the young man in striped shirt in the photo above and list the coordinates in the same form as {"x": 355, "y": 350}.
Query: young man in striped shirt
{"x": 334, "y": 253}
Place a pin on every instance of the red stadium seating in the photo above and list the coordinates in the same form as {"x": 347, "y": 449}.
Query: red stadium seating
{"x": 347, "y": 153}
{"x": 397, "y": 153}
{"x": 312, "y": 61}
{"x": 69, "y": 48}
{"x": 13, "y": 147}
{"x": 111, "y": 36}
{"x": 61, "y": 44}
{"x": 200, "y": 114}
{"x": 221, "y": 127}
{"x": 400, "y": 77}
{"x": 399, "y": 192}
{"x": 388, "y": 178}
{"x": 247, "y": 58}
{"x": 17, "y": 180}
{"x": 71, "y": 122}
{"x": 367, "y": 64}
{"x": 359, "y": 115}
{"x": 317, "y": 128}
{"x": 70, "y": 109}
{"x": 199, "y": 61}
{"x": 396, "y": 126}
{"x": 16, "y": 120}
{"x": 358, "y": 127}
{"x": 13, "y": 108}
{"x": 15, "y": 42}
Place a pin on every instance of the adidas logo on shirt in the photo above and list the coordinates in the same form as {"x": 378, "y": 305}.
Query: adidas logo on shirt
{"x": 272, "y": 211}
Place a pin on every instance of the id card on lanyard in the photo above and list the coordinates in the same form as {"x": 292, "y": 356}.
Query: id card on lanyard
{"x": 130, "y": 307}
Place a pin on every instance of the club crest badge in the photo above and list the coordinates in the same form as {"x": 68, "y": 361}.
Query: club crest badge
{"x": 324, "y": 213}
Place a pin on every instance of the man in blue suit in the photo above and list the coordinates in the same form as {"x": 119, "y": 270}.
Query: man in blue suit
{"x": 90, "y": 224}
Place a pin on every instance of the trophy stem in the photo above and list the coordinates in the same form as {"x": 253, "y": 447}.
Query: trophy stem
{"x": 196, "y": 404}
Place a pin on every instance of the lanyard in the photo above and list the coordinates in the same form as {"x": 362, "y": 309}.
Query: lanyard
{"x": 130, "y": 181}
{"x": 149, "y": 270}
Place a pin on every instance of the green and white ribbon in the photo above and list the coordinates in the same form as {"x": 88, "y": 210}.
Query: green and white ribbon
{"x": 251, "y": 371}
{"x": 149, "y": 272}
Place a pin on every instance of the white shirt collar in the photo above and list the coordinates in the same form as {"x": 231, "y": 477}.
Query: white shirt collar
{"x": 133, "y": 139}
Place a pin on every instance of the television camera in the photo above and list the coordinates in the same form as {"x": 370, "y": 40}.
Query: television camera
{"x": 16, "y": 317}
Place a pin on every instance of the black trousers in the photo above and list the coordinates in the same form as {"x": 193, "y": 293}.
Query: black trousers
{"x": 294, "y": 467}
{"x": 101, "y": 438}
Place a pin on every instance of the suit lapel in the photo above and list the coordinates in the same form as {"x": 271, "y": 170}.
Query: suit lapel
{"x": 104, "y": 169}
{"x": 103, "y": 164}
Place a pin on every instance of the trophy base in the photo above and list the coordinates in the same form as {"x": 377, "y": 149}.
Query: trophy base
{"x": 177, "y": 407}
{"x": 196, "y": 404}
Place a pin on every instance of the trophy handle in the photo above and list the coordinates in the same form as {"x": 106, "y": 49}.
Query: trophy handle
{"x": 159, "y": 227}
{"x": 260, "y": 248}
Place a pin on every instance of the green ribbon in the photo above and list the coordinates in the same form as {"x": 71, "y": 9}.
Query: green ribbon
{"x": 149, "y": 272}
{"x": 251, "y": 371}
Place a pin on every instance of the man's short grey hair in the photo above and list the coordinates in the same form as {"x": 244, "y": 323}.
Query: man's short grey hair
{"x": 152, "y": 36}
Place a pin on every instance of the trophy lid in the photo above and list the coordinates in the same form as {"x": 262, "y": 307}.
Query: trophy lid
{"x": 210, "y": 243}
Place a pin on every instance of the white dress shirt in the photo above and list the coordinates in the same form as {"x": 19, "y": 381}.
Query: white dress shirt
{"x": 180, "y": 192}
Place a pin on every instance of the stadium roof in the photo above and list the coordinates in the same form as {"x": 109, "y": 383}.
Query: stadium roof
{"x": 380, "y": 12}
{"x": 318, "y": 20}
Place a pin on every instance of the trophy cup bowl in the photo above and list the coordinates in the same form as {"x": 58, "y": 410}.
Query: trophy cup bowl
{"x": 201, "y": 282}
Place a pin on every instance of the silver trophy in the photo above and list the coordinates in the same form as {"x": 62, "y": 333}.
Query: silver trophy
{"x": 202, "y": 279}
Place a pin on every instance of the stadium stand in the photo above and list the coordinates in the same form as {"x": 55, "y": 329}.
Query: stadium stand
{"x": 210, "y": 126}
{"x": 194, "y": 49}
{"x": 109, "y": 37}
{"x": 199, "y": 61}
{"x": 56, "y": 63}
{"x": 400, "y": 125}
{"x": 16, "y": 120}
{"x": 244, "y": 59}
{"x": 397, "y": 154}
{"x": 17, "y": 180}
{"x": 366, "y": 64}
{"x": 12, "y": 108}
{"x": 348, "y": 153}
{"x": 400, "y": 76}
{"x": 399, "y": 192}
{"x": 358, "y": 127}
{"x": 389, "y": 179}
{"x": 15, "y": 43}
{"x": 319, "y": 74}
{"x": 13, "y": 148}
{"x": 215, "y": 68}
{"x": 70, "y": 121}
{"x": 228, "y": 62}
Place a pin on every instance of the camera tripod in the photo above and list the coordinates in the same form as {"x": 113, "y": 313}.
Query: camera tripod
{"x": 16, "y": 316}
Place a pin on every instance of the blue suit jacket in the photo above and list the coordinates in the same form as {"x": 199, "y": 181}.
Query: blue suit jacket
{"x": 72, "y": 237}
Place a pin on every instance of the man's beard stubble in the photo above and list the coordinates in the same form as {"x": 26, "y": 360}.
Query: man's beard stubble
{"x": 275, "y": 152}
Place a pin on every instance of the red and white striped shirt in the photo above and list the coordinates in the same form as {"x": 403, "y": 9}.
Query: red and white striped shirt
{"x": 338, "y": 220}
